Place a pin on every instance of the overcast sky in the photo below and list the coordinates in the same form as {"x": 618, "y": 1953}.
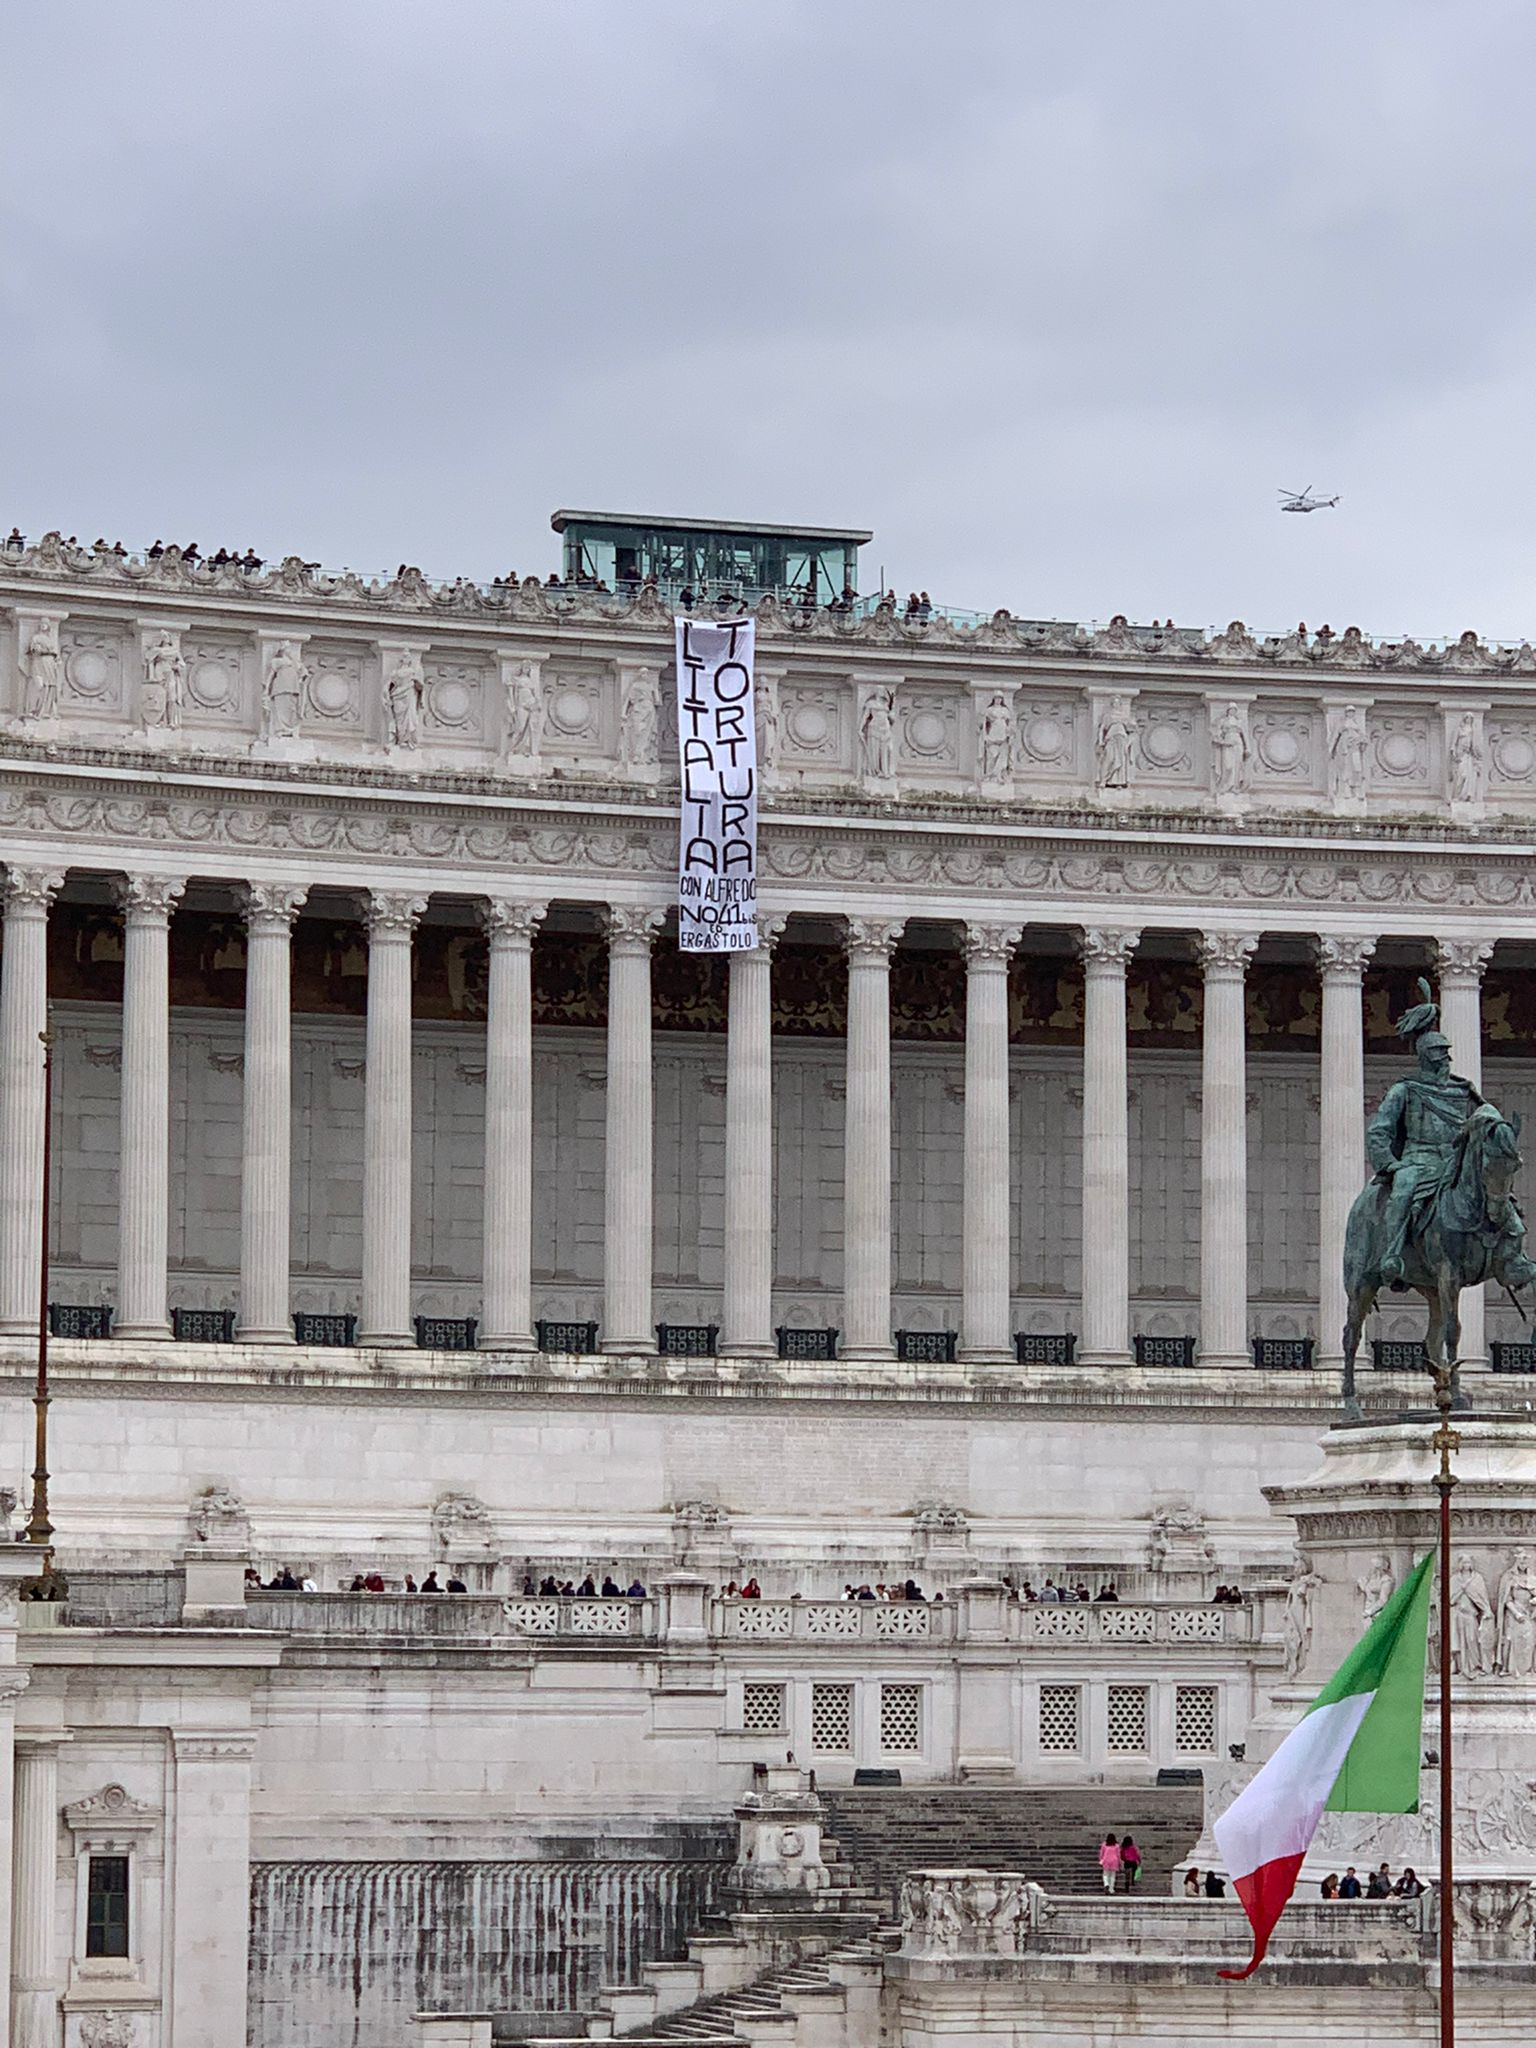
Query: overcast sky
{"x": 1053, "y": 297}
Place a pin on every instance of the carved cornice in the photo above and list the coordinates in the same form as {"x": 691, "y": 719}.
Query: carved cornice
{"x": 391, "y": 914}
{"x": 632, "y": 928}
{"x": 506, "y": 922}
{"x": 870, "y": 941}
{"x": 27, "y": 892}
{"x": 1105, "y": 950}
{"x": 989, "y": 945}
{"x": 1462, "y": 959}
{"x": 1342, "y": 959}
{"x": 148, "y": 899}
{"x": 1225, "y": 955}
{"x": 208, "y": 1749}
{"x": 273, "y": 906}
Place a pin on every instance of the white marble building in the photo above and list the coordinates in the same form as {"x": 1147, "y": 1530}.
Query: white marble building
{"x": 346, "y": 909}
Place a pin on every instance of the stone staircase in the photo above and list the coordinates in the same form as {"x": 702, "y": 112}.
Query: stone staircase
{"x": 1050, "y": 1836}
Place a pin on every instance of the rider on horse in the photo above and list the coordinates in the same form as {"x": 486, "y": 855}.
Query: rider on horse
{"x": 1411, "y": 1140}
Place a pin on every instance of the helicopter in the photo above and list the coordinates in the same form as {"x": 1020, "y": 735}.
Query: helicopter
{"x": 1303, "y": 501}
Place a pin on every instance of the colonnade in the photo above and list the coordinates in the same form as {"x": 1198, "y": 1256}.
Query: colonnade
{"x": 627, "y": 1325}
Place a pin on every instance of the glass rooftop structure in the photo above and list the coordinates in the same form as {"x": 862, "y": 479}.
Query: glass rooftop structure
{"x": 811, "y": 564}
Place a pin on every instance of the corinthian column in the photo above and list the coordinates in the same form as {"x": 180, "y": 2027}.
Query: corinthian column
{"x": 1461, "y": 963}
{"x": 144, "y": 1191}
{"x": 867, "y": 1140}
{"x": 391, "y": 919}
{"x": 506, "y": 1304}
{"x": 267, "y": 1113}
{"x": 1224, "y": 1150}
{"x": 987, "y": 1250}
{"x": 26, "y": 894}
{"x": 1106, "y": 1149}
{"x": 628, "y": 1191}
{"x": 1342, "y": 1166}
{"x": 34, "y": 1983}
{"x": 747, "y": 1310}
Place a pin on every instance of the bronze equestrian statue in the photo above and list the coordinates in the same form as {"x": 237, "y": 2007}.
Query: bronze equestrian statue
{"x": 1438, "y": 1214}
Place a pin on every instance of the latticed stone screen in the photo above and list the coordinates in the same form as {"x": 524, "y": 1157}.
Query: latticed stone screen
{"x": 832, "y": 1717}
{"x": 1127, "y": 1719}
{"x": 762, "y": 1707}
{"x": 1194, "y": 1719}
{"x": 901, "y": 1722}
{"x": 1060, "y": 1713}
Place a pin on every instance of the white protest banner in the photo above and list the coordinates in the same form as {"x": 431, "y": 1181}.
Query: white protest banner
{"x": 717, "y": 749}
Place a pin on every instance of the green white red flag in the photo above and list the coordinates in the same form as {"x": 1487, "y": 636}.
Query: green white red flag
{"x": 1355, "y": 1750}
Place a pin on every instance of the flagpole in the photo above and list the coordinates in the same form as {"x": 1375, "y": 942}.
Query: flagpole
{"x": 1445, "y": 1440}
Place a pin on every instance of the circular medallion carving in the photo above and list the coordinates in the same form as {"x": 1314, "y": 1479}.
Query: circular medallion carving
{"x": 808, "y": 725}
{"x": 1046, "y": 739}
{"x": 1164, "y": 745}
{"x": 330, "y": 693}
{"x": 570, "y": 712}
{"x": 449, "y": 702}
{"x": 1279, "y": 748}
{"x": 1513, "y": 756}
{"x": 925, "y": 732}
{"x": 1398, "y": 753}
{"x": 210, "y": 684}
{"x": 89, "y": 671}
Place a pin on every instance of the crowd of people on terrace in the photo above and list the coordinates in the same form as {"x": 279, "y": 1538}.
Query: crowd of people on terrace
{"x": 552, "y": 1588}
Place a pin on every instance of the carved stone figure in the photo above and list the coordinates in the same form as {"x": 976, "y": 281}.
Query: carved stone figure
{"x": 877, "y": 736}
{"x": 108, "y": 2029}
{"x": 1178, "y": 1541}
{"x": 1466, "y": 763}
{"x": 639, "y": 717}
{"x": 524, "y": 730}
{"x": 769, "y": 732}
{"x": 461, "y": 1522}
{"x": 218, "y": 1516}
{"x": 402, "y": 699}
{"x": 1115, "y": 744}
{"x": 165, "y": 674}
{"x": 1346, "y": 757}
{"x": 282, "y": 691}
{"x": 1296, "y": 1623}
{"x": 1230, "y": 756}
{"x": 43, "y": 669}
{"x": 1376, "y": 1588}
{"x": 1472, "y": 1621}
{"x": 994, "y": 741}
{"x": 1517, "y": 1617}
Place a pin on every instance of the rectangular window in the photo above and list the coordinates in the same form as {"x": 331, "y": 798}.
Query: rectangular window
{"x": 1060, "y": 1707}
{"x": 762, "y": 1708}
{"x": 1127, "y": 1719}
{"x": 106, "y": 1906}
{"x": 1194, "y": 1719}
{"x": 901, "y": 1719}
{"x": 832, "y": 1719}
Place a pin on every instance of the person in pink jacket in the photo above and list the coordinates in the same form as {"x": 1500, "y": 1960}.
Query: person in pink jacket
{"x": 1109, "y": 1860}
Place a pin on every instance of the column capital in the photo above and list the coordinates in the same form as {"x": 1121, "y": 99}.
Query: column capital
{"x": 870, "y": 941}
{"x": 148, "y": 899}
{"x": 1462, "y": 959}
{"x": 1342, "y": 956}
{"x": 1225, "y": 953}
{"x": 989, "y": 945}
{"x": 273, "y": 906}
{"x": 392, "y": 914}
{"x": 632, "y": 927}
{"x": 507, "y": 921}
{"x": 27, "y": 892}
{"x": 770, "y": 929}
{"x": 1106, "y": 949}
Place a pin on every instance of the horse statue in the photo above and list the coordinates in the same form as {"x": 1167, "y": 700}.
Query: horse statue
{"x": 1438, "y": 1214}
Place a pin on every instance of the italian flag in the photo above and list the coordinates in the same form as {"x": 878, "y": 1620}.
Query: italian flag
{"x": 1356, "y": 1750}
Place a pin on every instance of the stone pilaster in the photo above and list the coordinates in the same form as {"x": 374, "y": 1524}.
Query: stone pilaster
{"x": 1342, "y": 1164}
{"x": 267, "y": 1112}
{"x": 210, "y": 1886}
{"x": 391, "y": 918}
{"x": 628, "y": 1194}
{"x": 987, "y": 1247}
{"x": 1461, "y": 964}
{"x": 34, "y": 1978}
{"x": 144, "y": 1192}
{"x": 747, "y": 1310}
{"x": 506, "y": 1304}
{"x": 1224, "y": 1150}
{"x": 26, "y": 894}
{"x": 867, "y": 1145}
{"x": 1106, "y": 1331}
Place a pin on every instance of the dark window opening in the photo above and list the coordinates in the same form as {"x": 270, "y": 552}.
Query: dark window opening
{"x": 106, "y": 1906}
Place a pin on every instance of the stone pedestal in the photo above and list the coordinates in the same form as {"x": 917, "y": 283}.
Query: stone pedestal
{"x": 1362, "y": 1520}
{"x": 779, "y": 1836}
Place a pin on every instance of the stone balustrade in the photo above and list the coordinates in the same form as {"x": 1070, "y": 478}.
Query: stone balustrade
{"x": 831, "y": 1621}
{"x": 1120, "y": 1625}
{"x": 450, "y": 1614}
